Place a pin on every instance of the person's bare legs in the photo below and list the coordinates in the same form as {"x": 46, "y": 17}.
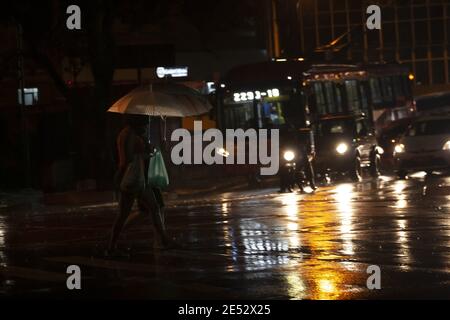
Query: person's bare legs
{"x": 149, "y": 203}
{"x": 160, "y": 238}
{"x": 133, "y": 218}
{"x": 125, "y": 204}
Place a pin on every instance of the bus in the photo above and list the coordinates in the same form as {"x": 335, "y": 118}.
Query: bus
{"x": 295, "y": 96}
{"x": 341, "y": 119}
{"x": 269, "y": 95}
{"x": 381, "y": 91}
{"x": 334, "y": 89}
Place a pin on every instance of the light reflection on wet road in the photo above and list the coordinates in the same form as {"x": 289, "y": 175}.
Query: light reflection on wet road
{"x": 250, "y": 244}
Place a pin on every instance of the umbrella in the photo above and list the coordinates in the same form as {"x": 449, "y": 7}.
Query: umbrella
{"x": 166, "y": 100}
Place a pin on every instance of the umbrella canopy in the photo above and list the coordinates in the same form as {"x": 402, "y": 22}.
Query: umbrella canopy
{"x": 169, "y": 100}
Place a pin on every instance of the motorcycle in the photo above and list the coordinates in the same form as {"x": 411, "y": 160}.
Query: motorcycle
{"x": 296, "y": 171}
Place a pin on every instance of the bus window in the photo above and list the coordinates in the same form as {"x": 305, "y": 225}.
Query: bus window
{"x": 377, "y": 97}
{"x": 353, "y": 100}
{"x": 240, "y": 116}
{"x": 270, "y": 114}
{"x": 364, "y": 97}
{"x": 387, "y": 89}
{"x": 276, "y": 111}
{"x": 338, "y": 94}
{"x": 330, "y": 97}
{"x": 320, "y": 98}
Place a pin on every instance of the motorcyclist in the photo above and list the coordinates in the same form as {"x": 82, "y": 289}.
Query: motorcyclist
{"x": 300, "y": 170}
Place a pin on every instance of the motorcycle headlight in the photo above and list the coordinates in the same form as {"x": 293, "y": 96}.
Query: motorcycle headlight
{"x": 380, "y": 150}
{"x": 399, "y": 148}
{"x": 224, "y": 153}
{"x": 446, "y": 146}
{"x": 289, "y": 156}
{"x": 342, "y": 148}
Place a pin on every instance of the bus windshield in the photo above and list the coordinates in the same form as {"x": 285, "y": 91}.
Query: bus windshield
{"x": 269, "y": 109}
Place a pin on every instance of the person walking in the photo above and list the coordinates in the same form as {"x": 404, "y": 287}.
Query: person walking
{"x": 133, "y": 146}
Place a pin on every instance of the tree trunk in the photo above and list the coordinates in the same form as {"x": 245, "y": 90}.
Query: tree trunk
{"x": 102, "y": 60}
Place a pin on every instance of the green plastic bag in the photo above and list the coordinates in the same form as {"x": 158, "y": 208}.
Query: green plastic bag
{"x": 157, "y": 173}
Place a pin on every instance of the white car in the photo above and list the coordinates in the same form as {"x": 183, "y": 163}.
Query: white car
{"x": 424, "y": 147}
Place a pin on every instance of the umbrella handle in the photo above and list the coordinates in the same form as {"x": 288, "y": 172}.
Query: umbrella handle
{"x": 165, "y": 129}
{"x": 148, "y": 130}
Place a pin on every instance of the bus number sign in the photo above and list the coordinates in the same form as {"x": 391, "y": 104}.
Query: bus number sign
{"x": 255, "y": 95}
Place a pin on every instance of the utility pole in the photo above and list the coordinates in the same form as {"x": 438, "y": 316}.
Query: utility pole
{"x": 23, "y": 121}
{"x": 276, "y": 35}
{"x": 301, "y": 33}
{"x": 273, "y": 38}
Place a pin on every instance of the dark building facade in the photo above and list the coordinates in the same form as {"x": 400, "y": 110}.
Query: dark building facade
{"x": 53, "y": 139}
{"x": 414, "y": 32}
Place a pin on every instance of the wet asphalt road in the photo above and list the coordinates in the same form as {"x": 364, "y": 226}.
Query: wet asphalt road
{"x": 245, "y": 245}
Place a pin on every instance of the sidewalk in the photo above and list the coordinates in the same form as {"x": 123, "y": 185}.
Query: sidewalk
{"x": 33, "y": 198}
{"x": 26, "y": 197}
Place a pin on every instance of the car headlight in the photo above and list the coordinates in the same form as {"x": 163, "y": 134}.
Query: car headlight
{"x": 399, "y": 148}
{"x": 446, "y": 146}
{"x": 289, "y": 156}
{"x": 342, "y": 148}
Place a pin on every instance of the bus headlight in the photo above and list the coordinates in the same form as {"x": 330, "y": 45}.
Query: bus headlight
{"x": 342, "y": 148}
{"x": 399, "y": 148}
{"x": 446, "y": 146}
{"x": 289, "y": 156}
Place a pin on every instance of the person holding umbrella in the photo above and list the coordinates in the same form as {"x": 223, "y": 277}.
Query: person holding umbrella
{"x": 162, "y": 100}
{"x": 132, "y": 182}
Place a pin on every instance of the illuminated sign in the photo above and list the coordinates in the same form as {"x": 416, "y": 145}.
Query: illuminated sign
{"x": 210, "y": 87}
{"x": 255, "y": 95}
{"x": 31, "y": 96}
{"x": 177, "y": 72}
